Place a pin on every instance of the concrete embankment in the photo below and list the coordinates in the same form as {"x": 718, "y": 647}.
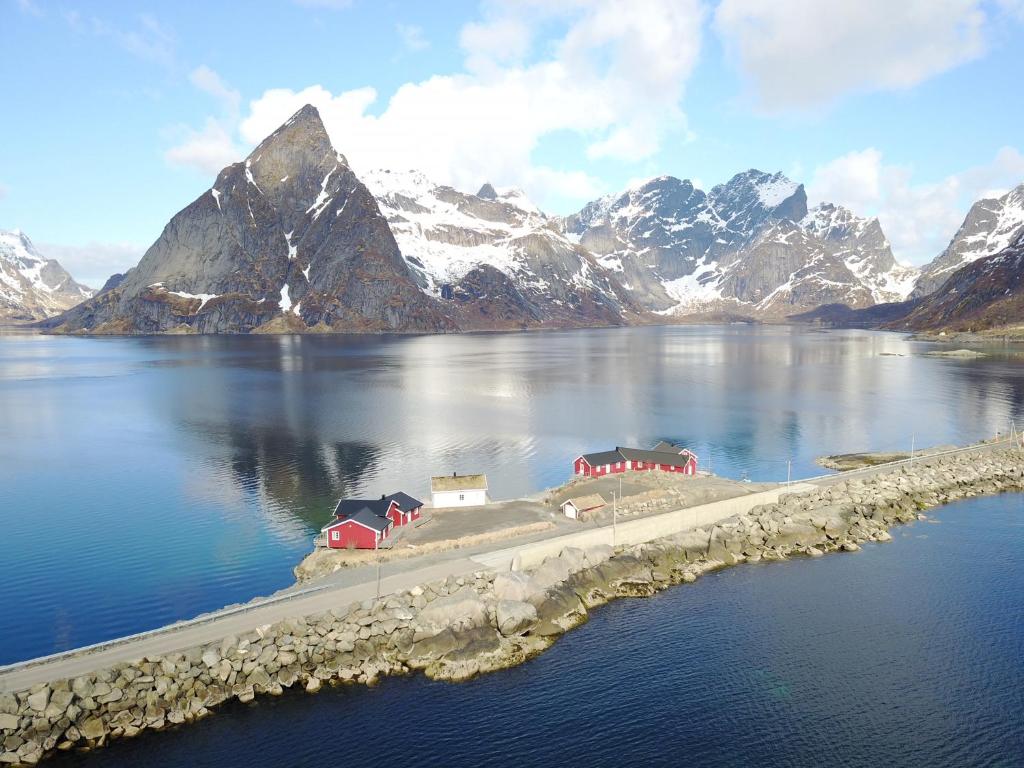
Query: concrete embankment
{"x": 462, "y": 626}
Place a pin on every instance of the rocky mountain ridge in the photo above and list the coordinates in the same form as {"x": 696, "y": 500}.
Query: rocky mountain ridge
{"x": 33, "y": 287}
{"x": 288, "y": 240}
{"x": 973, "y": 285}
{"x": 291, "y": 240}
{"x": 494, "y": 256}
{"x": 749, "y": 247}
{"x": 984, "y": 293}
{"x": 991, "y": 225}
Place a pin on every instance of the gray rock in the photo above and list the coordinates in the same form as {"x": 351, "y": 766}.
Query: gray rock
{"x": 514, "y": 617}
{"x": 39, "y": 699}
{"x": 515, "y": 585}
{"x": 462, "y": 608}
{"x": 554, "y": 570}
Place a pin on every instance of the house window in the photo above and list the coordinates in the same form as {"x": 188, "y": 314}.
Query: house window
{"x": 462, "y": 497}
{"x": 335, "y": 536}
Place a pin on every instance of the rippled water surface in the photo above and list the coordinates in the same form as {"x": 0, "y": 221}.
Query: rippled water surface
{"x": 147, "y": 480}
{"x": 903, "y": 654}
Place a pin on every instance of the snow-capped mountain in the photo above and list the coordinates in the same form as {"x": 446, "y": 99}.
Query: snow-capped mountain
{"x": 990, "y": 226}
{"x": 864, "y": 250}
{"x": 33, "y": 287}
{"x": 288, "y": 240}
{"x": 494, "y": 256}
{"x": 291, "y": 240}
{"x": 987, "y": 292}
{"x": 748, "y": 247}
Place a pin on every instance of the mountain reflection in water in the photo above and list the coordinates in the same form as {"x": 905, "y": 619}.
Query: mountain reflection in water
{"x": 144, "y": 480}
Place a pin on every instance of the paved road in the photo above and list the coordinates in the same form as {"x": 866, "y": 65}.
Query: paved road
{"x": 340, "y": 589}
{"x": 236, "y": 621}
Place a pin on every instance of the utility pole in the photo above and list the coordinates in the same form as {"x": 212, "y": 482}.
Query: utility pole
{"x": 615, "y": 519}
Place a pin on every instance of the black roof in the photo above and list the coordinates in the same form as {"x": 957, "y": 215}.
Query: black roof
{"x": 668, "y": 447}
{"x": 371, "y": 520}
{"x": 602, "y": 457}
{"x": 348, "y": 507}
{"x": 655, "y": 457}
{"x": 405, "y": 501}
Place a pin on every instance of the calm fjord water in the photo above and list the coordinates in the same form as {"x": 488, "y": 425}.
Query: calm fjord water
{"x": 903, "y": 654}
{"x": 147, "y": 480}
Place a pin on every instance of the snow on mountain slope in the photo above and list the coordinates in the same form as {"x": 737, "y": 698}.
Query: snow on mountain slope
{"x": 447, "y": 237}
{"x": 864, "y": 249}
{"x": 33, "y": 287}
{"x": 990, "y": 227}
{"x": 747, "y": 247}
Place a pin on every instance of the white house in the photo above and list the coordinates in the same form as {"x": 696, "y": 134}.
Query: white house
{"x": 456, "y": 490}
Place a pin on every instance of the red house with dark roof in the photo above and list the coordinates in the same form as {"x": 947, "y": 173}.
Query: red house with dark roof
{"x": 365, "y": 523}
{"x": 664, "y": 457}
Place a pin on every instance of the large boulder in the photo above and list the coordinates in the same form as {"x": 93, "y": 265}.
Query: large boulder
{"x": 599, "y": 553}
{"x": 797, "y": 534}
{"x": 514, "y": 617}
{"x": 516, "y": 585}
{"x": 461, "y": 609}
{"x": 575, "y": 558}
{"x": 559, "y": 611}
{"x": 554, "y": 570}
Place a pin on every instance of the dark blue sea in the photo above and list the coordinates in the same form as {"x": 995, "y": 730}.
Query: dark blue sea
{"x": 904, "y": 654}
{"x": 151, "y": 479}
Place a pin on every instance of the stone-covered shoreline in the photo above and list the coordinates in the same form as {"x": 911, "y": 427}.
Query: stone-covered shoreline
{"x": 461, "y": 627}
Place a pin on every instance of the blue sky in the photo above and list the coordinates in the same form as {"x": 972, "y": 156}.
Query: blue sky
{"x": 118, "y": 114}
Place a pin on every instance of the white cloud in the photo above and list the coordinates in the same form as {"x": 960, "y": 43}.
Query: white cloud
{"x": 208, "y": 81}
{"x": 613, "y": 78}
{"x": 412, "y": 37}
{"x": 499, "y": 41}
{"x": 4, "y": 190}
{"x": 213, "y": 146}
{"x": 93, "y": 263}
{"x": 918, "y": 218}
{"x": 207, "y": 150}
{"x": 798, "y": 54}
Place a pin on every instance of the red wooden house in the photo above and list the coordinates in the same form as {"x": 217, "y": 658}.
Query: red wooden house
{"x": 361, "y": 530}
{"x": 664, "y": 457}
{"x": 365, "y": 523}
{"x": 404, "y": 508}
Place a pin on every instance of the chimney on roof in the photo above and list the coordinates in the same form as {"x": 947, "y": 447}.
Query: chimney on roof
{"x": 382, "y": 497}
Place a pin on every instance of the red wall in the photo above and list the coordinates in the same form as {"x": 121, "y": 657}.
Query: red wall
{"x": 395, "y": 514}
{"x": 580, "y": 467}
{"x": 360, "y": 536}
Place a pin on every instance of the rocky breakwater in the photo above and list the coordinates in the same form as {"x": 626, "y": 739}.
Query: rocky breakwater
{"x": 460, "y": 627}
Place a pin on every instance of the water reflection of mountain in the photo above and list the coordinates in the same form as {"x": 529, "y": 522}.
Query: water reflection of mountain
{"x": 295, "y": 422}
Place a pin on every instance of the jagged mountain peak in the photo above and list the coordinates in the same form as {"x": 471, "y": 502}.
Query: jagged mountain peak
{"x": 753, "y": 195}
{"x": 487, "y": 192}
{"x": 288, "y": 158}
{"x": 835, "y": 222}
{"x": 991, "y": 225}
{"x": 288, "y": 240}
{"x": 32, "y": 286}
